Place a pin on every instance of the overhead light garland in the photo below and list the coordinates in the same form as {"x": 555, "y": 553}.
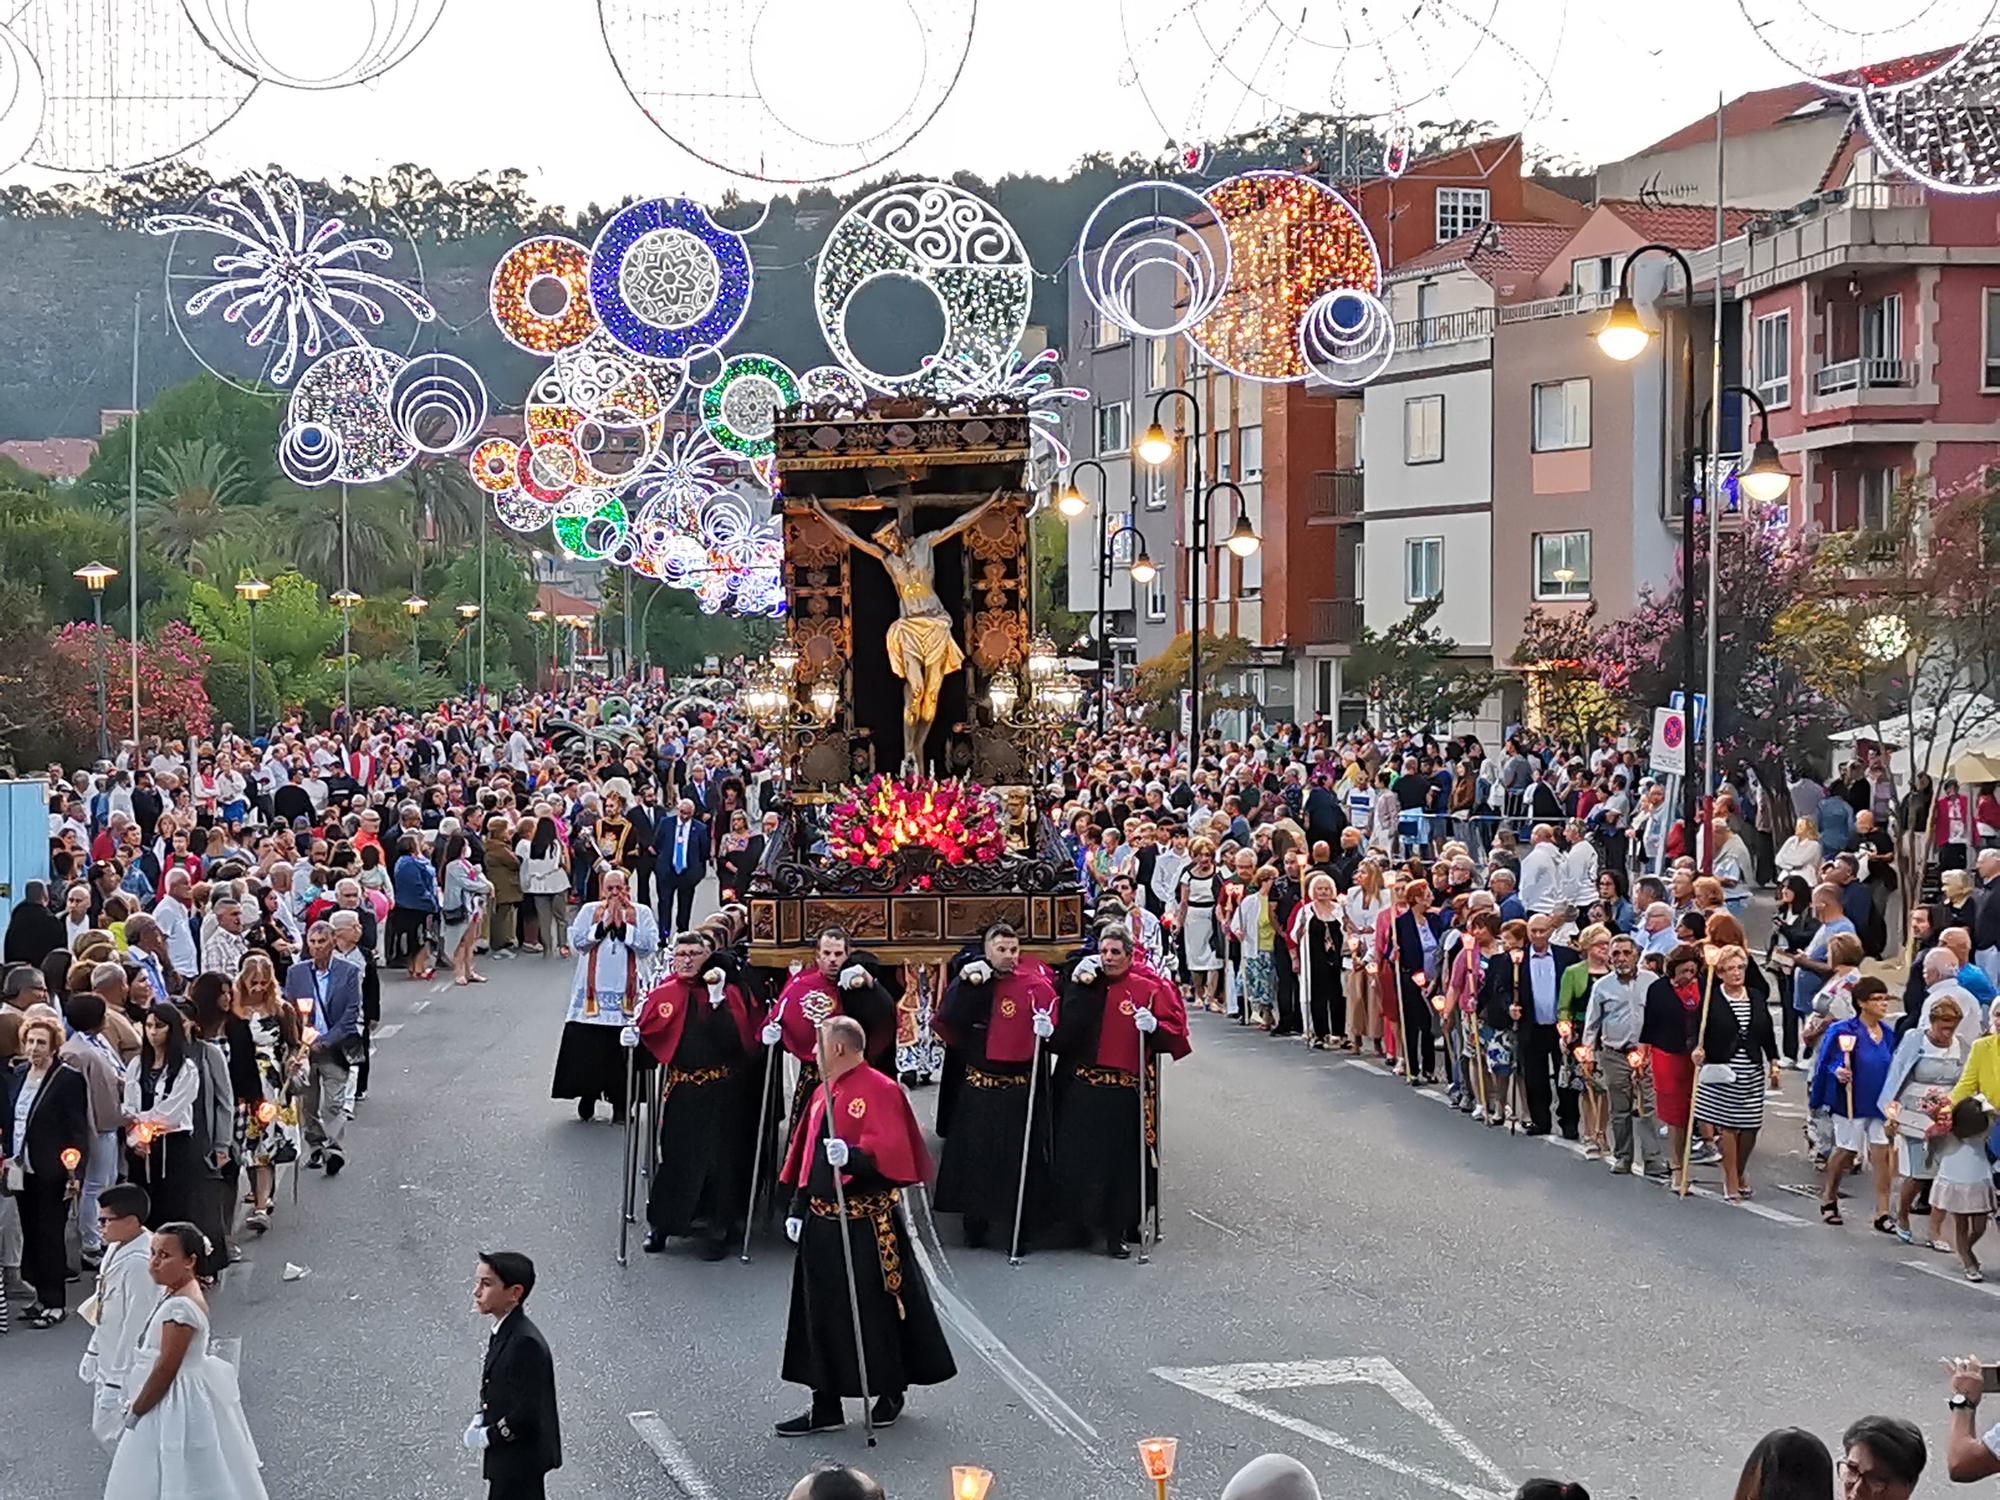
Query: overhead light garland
{"x": 741, "y": 408}
{"x": 329, "y": 44}
{"x": 665, "y": 280}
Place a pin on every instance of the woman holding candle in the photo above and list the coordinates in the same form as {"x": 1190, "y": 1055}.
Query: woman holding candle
{"x": 44, "y": 1138}
{"x": 1572, "y": 1001}
{"x": 1847, "y": 1084}
{"x": 1927, "y": 1063}
{"x": 267, "y": 1110}
{"x": 1416, "y": 950}
{"x": 161, "y": 1087}
{"x": 1316, "y": 939}
{"x": 1359, "y": 909}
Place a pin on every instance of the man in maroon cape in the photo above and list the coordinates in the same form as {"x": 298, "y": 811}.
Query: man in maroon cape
{"x": 992, "y": 1014}
{"x": 833, "y": 984}
{"x": 871, "y": 1137}
{"x": 703, "y": 1031}
{"x": 1114, "y": 1013}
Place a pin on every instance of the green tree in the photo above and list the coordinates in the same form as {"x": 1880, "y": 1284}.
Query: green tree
{"x": 1565, "y": 694}
{"x": 203, "y": 410}
{"x": 1048, "y": 538}
{"x": 298, "y": 637}
{"x": 1162, "y": 680}
{"x": 183, "y": 500}
{"x": 305, "y": 529}
{"x": 1413, "y": 676}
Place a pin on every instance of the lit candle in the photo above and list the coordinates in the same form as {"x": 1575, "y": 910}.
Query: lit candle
{"x": 970, "y": 1482}
{"x": 1156, "y": 1457}
{"x": 71, "y": 1158}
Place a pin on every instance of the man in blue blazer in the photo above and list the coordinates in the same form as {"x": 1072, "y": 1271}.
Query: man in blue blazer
{"x": 1520, "y": 992}
{"x": 331, "y": 990}
{"x": 681, "y": 860}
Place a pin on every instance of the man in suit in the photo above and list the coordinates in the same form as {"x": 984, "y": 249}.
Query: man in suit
{"x": 518, "y": 1429}
{"x": 34, "y": 932}
{"x": 1519, "y": 991}
{"x": 332, "y": 992}
{"x": 682, "y": 860}
{"x": 646, "y": 815}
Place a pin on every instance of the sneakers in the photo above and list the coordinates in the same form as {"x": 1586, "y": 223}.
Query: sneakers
{"x": 257, "y": 1223}
{"x": 1705, "y": 1155}
{"x": 317, "y": 1160}
{"x": 809, "y": 1422}
{"x": 334, "y": 1162}
{"x": 1621, "y": 1169}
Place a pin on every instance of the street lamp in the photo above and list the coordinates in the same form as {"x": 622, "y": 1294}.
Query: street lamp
{"x": 784, "y": 656}
{"x": 346, "y": 601}
{"x": 1623, "y": 337}
{"x": 536, "y": 617}
{"x": 94, "y": 576}
{"x": 252, "y": 592}
{"x": 1154, "y": 449}
{"x": 414, "y": 607}
{"x": 1143, "y": 569}
{"x": 1069, "y": 499}
{"x": 468, "y": 612}
{"x": 1072, "y": 504}
{"x": 1043, "y": 659}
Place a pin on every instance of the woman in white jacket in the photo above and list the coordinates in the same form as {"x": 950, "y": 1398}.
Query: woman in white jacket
{"x": 1252, "y": 926}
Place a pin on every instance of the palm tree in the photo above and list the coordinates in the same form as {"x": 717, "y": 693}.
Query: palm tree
{"x": 379, "y": 539}
{"x": 186, "y": 491}
{"x": 456, "y": 506}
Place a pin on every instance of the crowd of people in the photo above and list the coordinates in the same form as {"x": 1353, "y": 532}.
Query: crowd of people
{"x": 189, "y": 1002}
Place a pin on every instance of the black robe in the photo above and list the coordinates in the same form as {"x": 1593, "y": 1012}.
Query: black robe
{"x": 979, "y": 1169}
{"x": 706, "y": 1129}
{"x": 1094, "y": 1172}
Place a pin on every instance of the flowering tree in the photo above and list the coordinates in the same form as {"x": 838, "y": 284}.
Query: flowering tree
{"x": 1413, "y": 675}
{"x": 1564, "y": 693}
{"x": 172, "y": 700}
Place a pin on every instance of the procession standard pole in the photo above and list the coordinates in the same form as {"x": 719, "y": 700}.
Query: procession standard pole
{"x": 1027, "y": 1144}
{"x": 631, "y": 1152}
{"x": 1694, "y": 1093}
{"x": 757, "y": 1153}
{"x": 846, "y": 1240}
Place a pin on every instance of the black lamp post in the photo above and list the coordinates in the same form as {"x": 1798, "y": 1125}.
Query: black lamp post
{"x": 252, "y": 591}
{"x": 94, "y": 577}
{"x": 1071, "y": 504}
{"x": 1153, "y": 450}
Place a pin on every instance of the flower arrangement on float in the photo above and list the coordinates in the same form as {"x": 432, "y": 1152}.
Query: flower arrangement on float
{"x": 890, "y": 818}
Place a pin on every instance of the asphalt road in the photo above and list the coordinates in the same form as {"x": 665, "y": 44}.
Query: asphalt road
{"x": 1412, "y": 1304}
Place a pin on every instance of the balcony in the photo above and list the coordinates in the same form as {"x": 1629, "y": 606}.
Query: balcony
{"x": 1333, "y": 622}
{"x": 1863, "y": 375}
{"x": 1447, "y": 328}
{"x": 1334, "y": 495}
{"x": 1870, "y": 223}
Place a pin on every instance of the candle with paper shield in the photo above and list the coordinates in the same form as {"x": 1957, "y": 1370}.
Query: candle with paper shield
{"x": 1156, "y": 1457}
{"x": 970, "y": 1482}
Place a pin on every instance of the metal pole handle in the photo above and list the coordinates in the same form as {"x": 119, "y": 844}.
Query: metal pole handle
{"x": 1027, "y": 1145}
{"x": 757, "y": 1150}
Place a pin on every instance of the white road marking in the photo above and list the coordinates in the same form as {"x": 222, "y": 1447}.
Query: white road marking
{"x": 1955, "y": 1276}
{"x": 1230, "y": 1385}
{"x": 672, "y": 1456}
{"x": 1761, "y": 1210}
{"x": 418, "y": 1005}
{"x": 441, "y": 986}
{"x": 383, "y": 1033}
{"x": 1215, "y": 1224}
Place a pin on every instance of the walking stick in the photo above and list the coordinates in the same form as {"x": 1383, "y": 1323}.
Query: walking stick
{"x": 1027, "y": 1145}
{"x": 628, "y": 1190}
{"x": 757, "y": 1150}
{"x": 1517, "y": 1086}
{"x": 1144, "y": 1160}
{"x": 846, "y": 1240}
{"x": 1694, "y": 1093}
{"x": 1159, "y": 1142}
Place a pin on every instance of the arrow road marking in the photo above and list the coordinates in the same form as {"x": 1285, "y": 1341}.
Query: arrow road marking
{"x": 672, "y": 1456}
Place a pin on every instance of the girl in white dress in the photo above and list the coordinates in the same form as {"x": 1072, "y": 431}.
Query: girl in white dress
{"x": 185, "y": 1437}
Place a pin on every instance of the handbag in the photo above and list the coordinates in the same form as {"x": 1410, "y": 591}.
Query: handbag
{"x": 454, "y": 916}
{"x": 1716, "y": 1073}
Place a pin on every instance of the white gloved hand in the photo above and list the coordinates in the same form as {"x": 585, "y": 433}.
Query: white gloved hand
{"x": 628, "y": 1036}
{"x": 1044, "y": 1024}
{"x": 793, "y": 1228}
{"x": 476, "y": 1436}
{"x": 714, "y": 977}
{"x": 854, "y": 977}
{"x": 772, "y": 1032}
{"x": 836, "y": 1151}
{"x": 1086, "y": 970}
{"x": 715, "y": 994}
{"x": 1146, "y": 1021}
{"x": 977, "y": 972}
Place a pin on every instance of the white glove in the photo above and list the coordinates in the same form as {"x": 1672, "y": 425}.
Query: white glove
{"x": 1146, "y": 1021}
{"x": 715, "y": 994}
{"x": 714, "y": 978}
{"x": 793, "y": 1228}
{"x": 1044, "y": 1024}
{"x": 476, "y": 1436}
{"x": 976, "y": 972}
{"x": 628, "y": 1036}
{"x": 1086, "y": 970}
{"x": 836, "y": 1151}
{"x": 771, "y": 1033}
{"x": 854, "y": 977}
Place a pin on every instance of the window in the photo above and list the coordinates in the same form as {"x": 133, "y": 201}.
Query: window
{"x": 1774, "y": 358}
{"x": 1156, "y": 597}
{"x": 1991, "y": 347}
{"x": 1222, "y": 447}
{"x": 1124, "y": 541}
{"x": 1156, "y": 487}
{"x": 1882, "y": 329}
{"x": 1360, "y": 571}
{"x": 1423, "y": 430}
{"x": 1460, "y": 211}
{"x": 1323, "y": 686}
{"x": 1562, "y": 415}
{"x": 1159, "y": 364}
{"x": 1878, "y": 496}
{"x": 1108, "y": 333}
{"x": 1250, "y": 448}
{"x": 1423, "y": 568}
{"x": 1114, "y": 429}
{"x": 1225, "y": 578}
{"x": 1562, "y": 565}
{"x": 1592, "y": 274}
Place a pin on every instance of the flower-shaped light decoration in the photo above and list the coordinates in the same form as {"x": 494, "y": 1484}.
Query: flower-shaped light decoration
{"x": 955, "y": 820}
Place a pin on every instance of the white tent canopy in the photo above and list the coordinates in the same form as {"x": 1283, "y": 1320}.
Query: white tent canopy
{"x": 1942, "y": 734}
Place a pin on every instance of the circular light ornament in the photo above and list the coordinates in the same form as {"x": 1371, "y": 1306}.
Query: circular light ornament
{"x": 520, "y": 512}
{"x": 1292, "y": 240}
{"x": 1939, "y": 130}
{"x": 347, "y": 392}
{"x": 832, "y": 384}
{"x": 549, "y": 472}
{"x": 493, "y": 464}
{"x": 1851, "y": 46}
{"x": 540, "y": 295}
{"x": 666, "y": 280}
{"x": 22, "y": 99}
{"x": 600, "y": 444}
{"x": 438, "y": 402}
{"x": 1347, "y": 337}
{"x": 764, "y": 58}
{"x": 741, "y": 409}
{"x": 1883, "y": 637}
{"x": 309, "y": 454}
{"x": 956, "y": 246}
{"x": 590, "y": 523}
{"x": 328, "y": 44}
{"x": 1149, "y": 233}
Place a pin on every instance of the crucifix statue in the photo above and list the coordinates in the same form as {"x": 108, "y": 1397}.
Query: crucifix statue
{"x": 922, "y": 648}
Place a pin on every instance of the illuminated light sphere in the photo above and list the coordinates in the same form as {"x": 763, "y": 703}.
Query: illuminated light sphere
{"x": 1939, "y": 130}
{"x": 590, "y": 522}
{"x": 740, "y": 409}
{"x": 1145, "y": 233}
{"x": 954, "y": 245}
{"x": 348, "y": 393}
{"x": 540, "y": 295}
{"x": 547, "y": 473}
{"x": 157, "y": 91}
{"x": 309, "y": 454}
{"x": 438, "y": 402}
{"x": 1347, "y": 337}
{"x": 493, "y": 466}
{"x": 602, "y": 443}
{"x": 1292, "y": 240}
{"x": 1849, "y": 46}
{"x": 1883, "y": 637}
{"x": 328, "y": 44}
{"x": 831, "y": 383}
{"x": 744, "y": 87}
{"x": 22, "y": 99}
{"x": 665, "y": 280}
{"x": 520, "y": 512}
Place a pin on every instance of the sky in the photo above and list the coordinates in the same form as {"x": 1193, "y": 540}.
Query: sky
{"x": 531, "y": 84}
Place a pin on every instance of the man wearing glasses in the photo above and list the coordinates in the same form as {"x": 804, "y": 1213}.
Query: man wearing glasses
{"x": 117, "y": 1312}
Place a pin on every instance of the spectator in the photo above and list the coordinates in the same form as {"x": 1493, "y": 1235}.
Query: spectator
{"x": 1788, "y": 1464}
{"x": 1274, "y": 1476}
{"x": 1882, "y": 1458}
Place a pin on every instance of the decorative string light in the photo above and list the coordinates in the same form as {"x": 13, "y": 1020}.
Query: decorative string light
{"x": 342, "y": 42}
{"x": 741, "y": 409}
{"x": 830, "y": 383}
{"x": 1941, "y": 130}
{"x": 665, "y": 279}
{"x": 309, "y": 454}
{"x": 551, "y": 266}
{"x": 347, "y": 392}
{"x": 21, "y": 99}
{"x": 953, "y": 244}
{"x": 438, "y": 402}
{"x": 493, "y": 466}
{"x": 1842, "y": 45}
{"x": 1347, "y": 337}
{"x": 589, "y": 523}
{"x": 1162, "y": 235}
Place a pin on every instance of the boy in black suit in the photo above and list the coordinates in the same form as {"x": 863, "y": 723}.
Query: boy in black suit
{"x": 517, "y": 1428}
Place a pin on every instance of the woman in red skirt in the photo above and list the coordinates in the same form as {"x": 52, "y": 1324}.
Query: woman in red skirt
{"x": 1673, "y": 1016}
